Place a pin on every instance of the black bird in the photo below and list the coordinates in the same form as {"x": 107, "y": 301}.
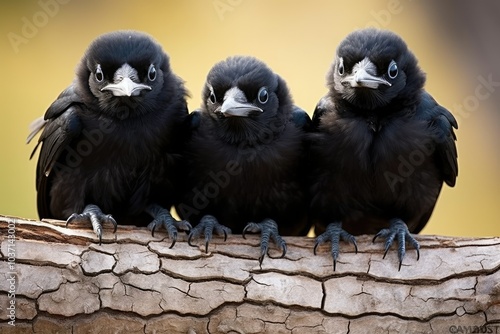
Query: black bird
{"x": 245, "y": 156}
{"x": 110, "y": 140}
{"x": 382, "y": 145}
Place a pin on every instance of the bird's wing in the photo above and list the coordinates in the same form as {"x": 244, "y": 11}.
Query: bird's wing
{"x": 442, "y": 123}
{"x": 301, "y": 119}
{"x": 319, "y": 111}
{"x": 59, "y": 106}
{"x": 60, "y": 126}
{"x": 63, "y": 101}
{"x": 193, "y": 119}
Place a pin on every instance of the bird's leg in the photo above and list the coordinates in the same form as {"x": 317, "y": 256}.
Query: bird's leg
{"x": 207, "y": 225}
{"x": 162, "y": 217}
{"x": 93, "y": 214}
{"x": 334, "y": 233}
{"x": 268, "y": 229}
{"x": 398, "y": 229}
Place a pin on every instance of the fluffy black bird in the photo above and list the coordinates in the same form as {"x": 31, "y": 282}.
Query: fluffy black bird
{"x": 382, "y": 145}
{"x": 109, "y": 142}
{"x": 245, "y": 156}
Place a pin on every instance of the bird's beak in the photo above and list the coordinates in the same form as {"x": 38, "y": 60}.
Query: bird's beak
{"x": 362, "y": 76}
{"x": 236, "y": 104}
{"x": 126, "y": 87}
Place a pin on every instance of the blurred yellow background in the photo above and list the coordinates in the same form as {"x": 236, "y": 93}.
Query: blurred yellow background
{"x": 42, "y": 42}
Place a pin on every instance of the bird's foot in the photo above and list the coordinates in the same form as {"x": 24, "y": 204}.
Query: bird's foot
{"x": 163, "y": 218}
{"x": 207, "y": 226}
{"x": 93, "y": 214}
{"x": 268, "y": 229}
{"x": 398, "y": 229}
{"x": 334, "y": 233}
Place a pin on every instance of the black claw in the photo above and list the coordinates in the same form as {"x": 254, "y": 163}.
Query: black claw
{"x": 162, "y": 217}
{"x": 316, "y": 244}
{"x": 264, "y": 246}
{"x": 284, "y": 250}
{"x": 334, "y": 233}
{"x": 399, "y": 230}
{"x": 113, "y": 221}
{"x": 245, "y": 230}
{"x": 268, "y": 229}
{"x": 261, "y": 259}
{"x": 92, "y": 214}
{"x": 208, "y": 224}
{"x": 71, "y": 218}
{"x": 385, "y": 252}
{"x": 174, "y": 240}
{"x": 153, "y": 227}
{"x": 189, "y": 239}
{"x": 379, "y": 234}
{"x": 415, "y": 245}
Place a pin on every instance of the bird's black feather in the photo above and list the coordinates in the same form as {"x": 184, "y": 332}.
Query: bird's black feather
{"x": 243, "y": 169}
{"x": 301, "y": 119}
{"x": 116, "y": 152}
{"x": 381, "y": 151}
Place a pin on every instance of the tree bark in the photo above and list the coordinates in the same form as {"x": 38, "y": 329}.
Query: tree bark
{"x": 62, "y": 281}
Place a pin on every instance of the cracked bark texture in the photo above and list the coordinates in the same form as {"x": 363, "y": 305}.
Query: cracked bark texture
{"x": 133, "y": 283}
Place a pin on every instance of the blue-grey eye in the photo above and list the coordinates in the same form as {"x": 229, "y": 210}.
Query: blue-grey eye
{"x": 212, "y": 97}
{"x": 263, "y": 95}
{"x": 392, "y": 71}
{"x": 341, "y": 66}
{"x": 152, "y": 72}
{"x": 99, "y": 76}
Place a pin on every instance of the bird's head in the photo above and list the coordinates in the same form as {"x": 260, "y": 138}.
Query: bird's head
{"x": 374, "y": 68}
{"x": 242, "y": 91}
{"x": 125, "y": 72}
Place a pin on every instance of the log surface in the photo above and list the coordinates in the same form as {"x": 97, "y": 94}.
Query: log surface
{"x": 65, "y": 282}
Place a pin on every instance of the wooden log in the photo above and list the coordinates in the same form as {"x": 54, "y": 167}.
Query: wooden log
{"x": 60, "y": 280}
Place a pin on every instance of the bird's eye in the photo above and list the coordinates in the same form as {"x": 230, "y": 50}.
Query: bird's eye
{"x": 392, "y": 71}
{"x": 341, "y": 66}
{"x": 99, "y": 76}
{"x": 212, "y": 97}
{"x": 263, "y": 95}
{"x": 152, "y": 72}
